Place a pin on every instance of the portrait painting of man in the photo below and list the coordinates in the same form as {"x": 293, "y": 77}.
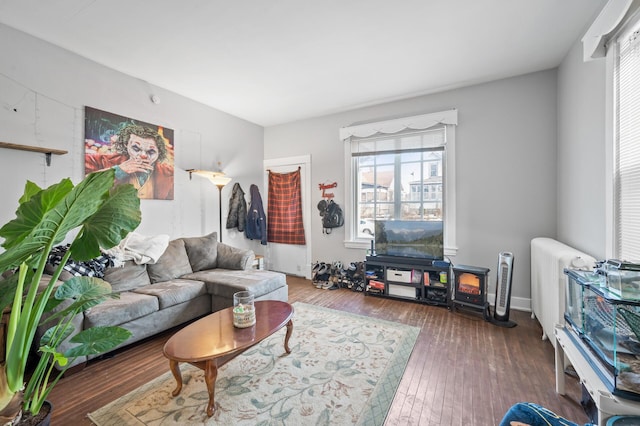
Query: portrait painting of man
{"x": 141, "y": 154}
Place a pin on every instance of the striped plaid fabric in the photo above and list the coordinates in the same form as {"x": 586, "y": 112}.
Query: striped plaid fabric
{"x": 91, "y": 268}
{"x": 284, "y": 212}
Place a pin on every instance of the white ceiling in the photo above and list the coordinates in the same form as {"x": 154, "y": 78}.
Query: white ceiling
{"x": 277, "y": 61}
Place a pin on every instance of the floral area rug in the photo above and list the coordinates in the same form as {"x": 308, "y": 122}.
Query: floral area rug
{"x": 343, "y": 369}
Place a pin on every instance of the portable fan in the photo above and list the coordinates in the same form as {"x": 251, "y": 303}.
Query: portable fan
{"x": 503, "y": 291}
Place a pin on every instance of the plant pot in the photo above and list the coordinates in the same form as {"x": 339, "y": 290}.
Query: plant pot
{"x": 43, "y": 418}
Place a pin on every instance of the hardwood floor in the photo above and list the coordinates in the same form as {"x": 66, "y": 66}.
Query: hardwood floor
{"x": 463, "y": 370}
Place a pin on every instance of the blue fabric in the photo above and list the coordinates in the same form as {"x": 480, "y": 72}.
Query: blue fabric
{"x": 534, "y": 415}
{"x": 256, "y": 226}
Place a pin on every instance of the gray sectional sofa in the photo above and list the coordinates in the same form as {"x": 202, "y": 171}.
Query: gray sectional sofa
{"x": 194, "y": 277}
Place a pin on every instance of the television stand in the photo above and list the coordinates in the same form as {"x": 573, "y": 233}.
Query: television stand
{"x": 407, "y": 278}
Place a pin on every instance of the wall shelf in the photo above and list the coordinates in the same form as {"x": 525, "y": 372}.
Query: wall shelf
{"x": 46, "y": 151}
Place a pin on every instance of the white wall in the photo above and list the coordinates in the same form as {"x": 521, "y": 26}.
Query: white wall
{"x": 581, "y": 153}
{"x": 506, "y": 167}
{"x": 514, "y": 181}
{"x": 43, "y": 92}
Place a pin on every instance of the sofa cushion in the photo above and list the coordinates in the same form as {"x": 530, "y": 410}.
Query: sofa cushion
{"x": 173, "y": 292}
{"x": 127, "y": 277}
{"x": 64, "y": 274}
{"x": 173, "y": 263}
{"x": 234, "y": 258}
{"x": 224, "y": 282}
{"x": 202, "y": 251}
{"x": 128, "y": 307}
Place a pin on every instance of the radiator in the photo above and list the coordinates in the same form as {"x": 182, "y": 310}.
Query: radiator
{"x": 549, "y": 258}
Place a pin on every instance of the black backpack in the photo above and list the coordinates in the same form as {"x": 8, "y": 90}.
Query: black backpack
{"x": 332, "y": 216}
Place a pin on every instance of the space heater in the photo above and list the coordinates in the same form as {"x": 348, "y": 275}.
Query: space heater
{"x": 503, "y": 291}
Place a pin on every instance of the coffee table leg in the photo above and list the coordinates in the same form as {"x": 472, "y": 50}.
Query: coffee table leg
{"x": 175, "y": 369}
{"x": 286, "y": 338}
{"x": 210, "y": 375}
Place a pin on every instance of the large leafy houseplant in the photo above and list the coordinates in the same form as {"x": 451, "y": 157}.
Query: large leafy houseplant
{"x": 93, "y": 214}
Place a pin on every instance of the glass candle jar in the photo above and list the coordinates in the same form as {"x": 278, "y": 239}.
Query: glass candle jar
{"x": 244, "y": 313}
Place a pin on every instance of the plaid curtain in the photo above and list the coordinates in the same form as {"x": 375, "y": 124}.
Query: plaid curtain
{"x": 284, "y": 211}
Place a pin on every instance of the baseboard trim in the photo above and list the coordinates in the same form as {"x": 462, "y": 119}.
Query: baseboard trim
{"x": 517, "y": 303}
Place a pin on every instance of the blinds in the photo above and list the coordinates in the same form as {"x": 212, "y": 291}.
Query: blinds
{"x": 428, "y": 139}
{"x": 627, "y": 145}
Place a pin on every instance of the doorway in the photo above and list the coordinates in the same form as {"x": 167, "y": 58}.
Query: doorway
{"x": 288, "y": 258}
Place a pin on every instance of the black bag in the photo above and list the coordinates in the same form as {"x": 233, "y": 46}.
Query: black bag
{"x": 332, "y": 216}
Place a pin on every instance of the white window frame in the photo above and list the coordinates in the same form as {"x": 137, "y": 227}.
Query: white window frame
{"x": 616, "y": 18}
{"x": 448, "y": 118}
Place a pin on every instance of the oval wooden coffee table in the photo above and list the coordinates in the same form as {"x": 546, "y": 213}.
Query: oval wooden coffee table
{"x": 213, "y": 340}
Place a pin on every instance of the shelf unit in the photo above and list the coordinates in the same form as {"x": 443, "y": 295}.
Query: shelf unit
{"x": 590, "y": 374}
{"x": 417, "y": 280}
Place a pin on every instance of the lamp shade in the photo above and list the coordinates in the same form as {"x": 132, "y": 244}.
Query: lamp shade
{"x": 217, "y": 178}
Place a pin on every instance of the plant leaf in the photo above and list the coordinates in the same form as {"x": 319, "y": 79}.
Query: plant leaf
{"x": 47, "y": 338}
{"x": 86, "y": 292}
{"x": 119, "y": 215}
{"x": 30, "y": 189}
{"x": 83, "y": 288}
{"x": 97, "y": 340}
{"x": 46, "y": 224}
{"x": 34, "y": 203}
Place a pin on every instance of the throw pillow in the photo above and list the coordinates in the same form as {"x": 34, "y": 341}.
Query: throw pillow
{"x": 202, "y": 251}
{"x": 234, "y": 258}
{"x": 127, "y": 277}
{"x": 173, "y": 263}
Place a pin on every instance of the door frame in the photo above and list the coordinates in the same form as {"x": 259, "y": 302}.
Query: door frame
{"x": 301, "y": 160}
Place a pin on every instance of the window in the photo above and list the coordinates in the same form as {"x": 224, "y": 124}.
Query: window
{"x": 433, "y": 171}
{"x": 397, "y": 181}
{"x": 400, "y": 171}
{"x": 626, "y": 145}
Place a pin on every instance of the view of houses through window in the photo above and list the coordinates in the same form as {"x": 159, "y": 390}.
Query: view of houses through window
{"x": 404, "y": 183}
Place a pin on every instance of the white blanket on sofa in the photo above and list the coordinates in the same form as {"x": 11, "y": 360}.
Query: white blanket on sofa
{"x": 139, "y": 248}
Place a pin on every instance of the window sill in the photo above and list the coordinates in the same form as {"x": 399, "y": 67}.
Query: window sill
{"x": 450, "y": 251}
{"x": 358, "y": 244}
{"x": 364, "y": 245}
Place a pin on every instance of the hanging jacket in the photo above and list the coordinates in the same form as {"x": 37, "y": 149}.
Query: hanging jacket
{"x": 237, "y": 209}
{"x": 256, "y": 226}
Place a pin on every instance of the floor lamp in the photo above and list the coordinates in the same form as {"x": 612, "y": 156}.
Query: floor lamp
{"x": 219, "y": 179}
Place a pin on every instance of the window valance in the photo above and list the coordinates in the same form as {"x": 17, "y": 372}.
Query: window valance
{"x": 387, "y": 127}
{"x": 611, "y": 15}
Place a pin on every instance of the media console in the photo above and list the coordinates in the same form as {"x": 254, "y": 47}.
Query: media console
{"x": 407, "y": 278}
